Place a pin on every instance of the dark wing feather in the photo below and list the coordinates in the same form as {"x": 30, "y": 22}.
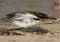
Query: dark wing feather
{"x": 11, "y": 15}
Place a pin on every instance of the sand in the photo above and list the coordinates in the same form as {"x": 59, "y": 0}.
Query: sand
{"x": 30, "y": 37}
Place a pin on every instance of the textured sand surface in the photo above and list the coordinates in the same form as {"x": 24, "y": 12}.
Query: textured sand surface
{"x": 30, "y": 37}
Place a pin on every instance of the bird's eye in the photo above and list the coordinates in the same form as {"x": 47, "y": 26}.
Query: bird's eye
{"x": 36, "y": 18}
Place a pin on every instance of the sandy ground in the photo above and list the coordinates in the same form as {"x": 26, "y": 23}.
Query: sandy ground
{"x": 30, "y": 37}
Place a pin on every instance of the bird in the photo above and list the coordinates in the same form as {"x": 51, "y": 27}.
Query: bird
{"x": 23, "y": 19}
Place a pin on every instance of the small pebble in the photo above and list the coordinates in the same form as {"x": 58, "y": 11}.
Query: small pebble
{"x": 55, "y": 33}
{"x": 48, "y": 33}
